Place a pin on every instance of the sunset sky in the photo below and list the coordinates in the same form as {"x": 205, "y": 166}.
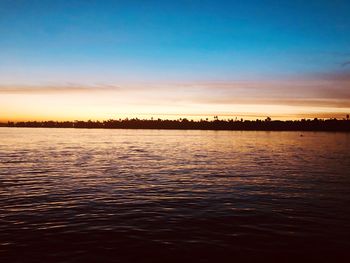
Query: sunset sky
{"x": 67, "y": 60}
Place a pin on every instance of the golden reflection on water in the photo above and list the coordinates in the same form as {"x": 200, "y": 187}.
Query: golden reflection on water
{"x": 155, "y": 184}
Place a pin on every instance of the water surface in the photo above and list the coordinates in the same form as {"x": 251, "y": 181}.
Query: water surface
{"x": 74, "y": 195}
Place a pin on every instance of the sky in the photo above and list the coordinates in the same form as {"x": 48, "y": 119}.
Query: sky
{"x": 68, "y": 60}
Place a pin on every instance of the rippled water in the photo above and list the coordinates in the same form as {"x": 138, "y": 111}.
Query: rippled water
{"x": 74, "y": 195}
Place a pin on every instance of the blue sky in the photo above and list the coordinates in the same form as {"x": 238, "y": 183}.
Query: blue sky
{"x": 128, "y": 42}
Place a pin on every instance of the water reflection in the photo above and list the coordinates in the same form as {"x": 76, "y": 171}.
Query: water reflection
{"x": 103, "y": 195}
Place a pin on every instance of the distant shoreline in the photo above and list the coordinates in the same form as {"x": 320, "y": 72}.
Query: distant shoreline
{"x": 184, "y": 124}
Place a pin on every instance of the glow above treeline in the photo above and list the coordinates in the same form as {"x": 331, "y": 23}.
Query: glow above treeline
{"x": 173, "y": 101}
{"x": 67, "y": 60}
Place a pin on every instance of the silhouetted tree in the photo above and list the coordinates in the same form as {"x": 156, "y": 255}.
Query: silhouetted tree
{"x": 303, "y": 125}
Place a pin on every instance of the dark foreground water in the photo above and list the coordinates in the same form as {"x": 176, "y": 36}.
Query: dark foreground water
{"x": 173, "y": 196}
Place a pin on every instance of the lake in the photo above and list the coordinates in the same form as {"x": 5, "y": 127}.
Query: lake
{"x": 98, "y": 195}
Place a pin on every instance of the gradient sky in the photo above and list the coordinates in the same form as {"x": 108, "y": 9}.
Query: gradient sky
{"x": 69, "y": 60}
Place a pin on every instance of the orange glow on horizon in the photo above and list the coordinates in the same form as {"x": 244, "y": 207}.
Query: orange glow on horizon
{"x": 280, "y": 100}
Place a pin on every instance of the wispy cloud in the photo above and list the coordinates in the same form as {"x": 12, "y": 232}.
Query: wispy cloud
{"x": 321, "y": 90}
{"x": 55, "y": 89}
{"x": 346, "y": 63}
{"x": 313, "y": 90}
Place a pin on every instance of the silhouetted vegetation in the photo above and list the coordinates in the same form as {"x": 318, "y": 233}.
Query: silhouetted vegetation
{"x": 185, "y": 124}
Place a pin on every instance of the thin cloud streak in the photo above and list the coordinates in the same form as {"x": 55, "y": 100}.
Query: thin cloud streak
{"x": 345, "y": 64}
{"x": 317, "y": 90}
{"x": 64, "y": 89}
{"x": 282, "y": 102}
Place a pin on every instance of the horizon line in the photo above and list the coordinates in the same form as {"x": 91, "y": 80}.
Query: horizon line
{"x": 211, "y": 119}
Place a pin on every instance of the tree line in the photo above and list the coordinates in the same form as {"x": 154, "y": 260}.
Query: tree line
{"x": 185, "y": 124}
